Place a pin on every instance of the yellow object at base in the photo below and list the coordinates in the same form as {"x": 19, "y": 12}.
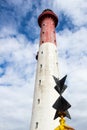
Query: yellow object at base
{"x": 62, "y": 125}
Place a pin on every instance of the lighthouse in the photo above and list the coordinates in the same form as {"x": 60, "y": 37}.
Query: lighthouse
{"x": 47, "y": 80}
{"x": 47, "y": 66}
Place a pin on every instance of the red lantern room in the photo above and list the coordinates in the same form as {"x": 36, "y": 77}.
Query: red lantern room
{"x": 48, "y": 21}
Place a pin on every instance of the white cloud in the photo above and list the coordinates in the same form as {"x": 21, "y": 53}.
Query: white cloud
{"x": 17, "y": 83}
{"x": 75, "y": 9}
{"x": 6, "y": 31}
{"x": 72, "y": 46}
{"x": 72, "y": 51}
{"x": 23, "y": 5}
{"x": 15, "y": 107}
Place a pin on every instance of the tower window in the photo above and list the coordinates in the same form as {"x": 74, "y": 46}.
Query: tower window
{"x": 43, "y": 24}
{"x": 54, "y": 40}
{"x": 38, "y": 101}
{"x": 39, "y": 82}
{"x": 56, "y": 63}
{"x": 40, "y": 65}
{"x": 41, "y": 52}
{"x": 42, "y": 41}
{"x": 36, "y": 125}
{"x": 43, "y": 32}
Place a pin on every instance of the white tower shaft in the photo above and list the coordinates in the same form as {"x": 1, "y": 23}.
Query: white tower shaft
{"x": 44, "y": 93}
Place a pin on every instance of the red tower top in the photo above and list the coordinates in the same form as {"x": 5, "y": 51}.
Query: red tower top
{"x": 48, "y": 21}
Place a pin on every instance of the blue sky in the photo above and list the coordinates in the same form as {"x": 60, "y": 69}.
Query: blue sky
{"x": 19, "y": 42}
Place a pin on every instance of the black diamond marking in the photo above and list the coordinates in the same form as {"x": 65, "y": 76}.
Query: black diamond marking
{"x": 61, "y": 104}
{"x": 56, "y": 80}
{"x": 59, "y": 114}
{"x": 60, "y": 87}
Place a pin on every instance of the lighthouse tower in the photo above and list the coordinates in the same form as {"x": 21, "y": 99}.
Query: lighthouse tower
{"x": 47, "y": 66}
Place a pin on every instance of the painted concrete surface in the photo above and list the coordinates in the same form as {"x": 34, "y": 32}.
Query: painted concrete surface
{"x": 48, "y": 31}
{"x": 44, "y": 93}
